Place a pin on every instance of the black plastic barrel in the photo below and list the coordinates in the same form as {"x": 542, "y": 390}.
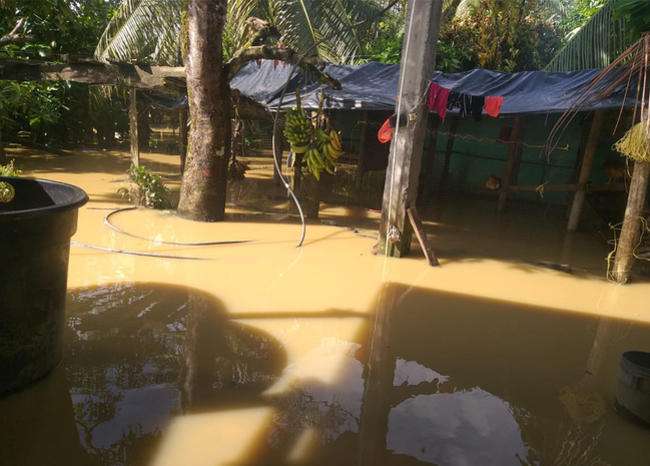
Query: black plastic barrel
{"x": 35, "y": 231}
{"x": 633, "y": 392}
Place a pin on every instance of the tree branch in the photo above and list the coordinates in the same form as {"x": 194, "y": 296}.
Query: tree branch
{"x": 287, "y": 55}
{"x": 15, "y": 36}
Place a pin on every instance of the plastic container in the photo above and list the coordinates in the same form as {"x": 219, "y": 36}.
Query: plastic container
{"x": 35, "y": 231}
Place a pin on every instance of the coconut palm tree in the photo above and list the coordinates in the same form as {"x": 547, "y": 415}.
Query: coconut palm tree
{"x": 617, "y": 25}
{"x": 153, "y": 31}
{"x": 150, "y": 30}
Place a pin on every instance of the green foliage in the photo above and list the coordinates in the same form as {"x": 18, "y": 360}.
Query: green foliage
{"x": 148, "y": 190}
{"x": 505, "y": 35}
{"x": 150, "y": 30}
{"x": 54, "y": 27}
{"x": 603, "y": 30}
{"x": 636, "y": 14}
{"x": 31, "y": 106}
{"x": 9, "y": 169}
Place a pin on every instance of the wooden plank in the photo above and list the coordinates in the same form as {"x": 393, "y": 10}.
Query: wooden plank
{"x": 510, "y": 172}
{"x": 133, "y": 127}
{"x": 140, "y": 76}
{"x": 405, "y": 158}
{"x": 608, "y": 187}
{"x": 628, "y": 240}
{"x": 421, "y": 235}
{"x": 585, "y": 170}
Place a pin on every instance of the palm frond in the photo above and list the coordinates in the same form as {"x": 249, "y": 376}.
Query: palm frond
{"x": 595, "y": 44}
{"x": 144, "y": 31}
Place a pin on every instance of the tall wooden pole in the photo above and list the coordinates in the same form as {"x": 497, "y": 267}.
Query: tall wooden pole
{"x": 585, "y": 170}
{"x": 133, "y": 127}
{"x": 631, "y": 230}
{"x": 510, "y": 173}
{"x": 404, "y": 161}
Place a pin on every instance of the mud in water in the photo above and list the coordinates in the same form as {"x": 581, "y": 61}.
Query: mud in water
{"x": 261, "y": 353}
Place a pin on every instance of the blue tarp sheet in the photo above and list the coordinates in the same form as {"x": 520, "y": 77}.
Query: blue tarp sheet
{"x": 373, "y": 86}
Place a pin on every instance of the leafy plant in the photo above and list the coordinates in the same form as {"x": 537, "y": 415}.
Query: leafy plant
{"x": 148, "y": 190}
{"x": 9, "y": 169}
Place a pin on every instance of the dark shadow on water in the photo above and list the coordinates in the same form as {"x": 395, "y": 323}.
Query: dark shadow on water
{"x": 453, "y": 380}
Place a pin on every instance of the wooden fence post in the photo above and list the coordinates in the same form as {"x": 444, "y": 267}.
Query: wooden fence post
{"x": 510, "y": 173}
{"x": 133, "y": 127}
{"x": 405, "y": 158}
{"x": 585, "y": 170}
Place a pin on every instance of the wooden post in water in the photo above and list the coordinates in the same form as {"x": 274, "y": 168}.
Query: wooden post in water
{"x": 510, "y": 173}
{"x": 362, "y": 148}
{"x": 631, "y": 230}
{"x": 404, "y": 161}
{"x": 133, "y": 127}
{"x": 451, "y": 139}
{"x": 585, "y": 170}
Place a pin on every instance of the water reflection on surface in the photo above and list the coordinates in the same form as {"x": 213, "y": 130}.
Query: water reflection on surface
{"x": 156, "y": 374}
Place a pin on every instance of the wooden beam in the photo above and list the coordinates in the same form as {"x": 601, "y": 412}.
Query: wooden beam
{"x": 133, "y": 127}
{"x": 404, "y": 161}
{"x": 585, "y": 170}
{"x": 514, "y": 152}
{"x": 627, "y": 241}
{"x": 140, "y": 76}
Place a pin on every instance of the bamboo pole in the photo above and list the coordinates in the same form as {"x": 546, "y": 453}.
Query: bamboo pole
{"x": 585, "y": 170}
{"x": 133, "y": 127}
{"x": 510, "y": 173}
{"x": 631, "y": 229}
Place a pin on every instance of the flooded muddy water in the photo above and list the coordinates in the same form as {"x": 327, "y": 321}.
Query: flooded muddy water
{"x": 261, "y": 353}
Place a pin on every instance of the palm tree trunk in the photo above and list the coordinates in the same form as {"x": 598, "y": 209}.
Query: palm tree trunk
{"x": 203, "y": 190}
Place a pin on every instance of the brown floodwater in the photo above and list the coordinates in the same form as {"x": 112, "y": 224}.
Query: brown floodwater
{"x": 261, "y": 353}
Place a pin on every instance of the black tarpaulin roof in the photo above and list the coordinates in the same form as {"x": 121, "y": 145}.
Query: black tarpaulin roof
{"x": 373, "y": 86}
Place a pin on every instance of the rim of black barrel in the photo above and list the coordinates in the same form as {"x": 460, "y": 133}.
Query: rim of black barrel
{"x": 78, "y": 198}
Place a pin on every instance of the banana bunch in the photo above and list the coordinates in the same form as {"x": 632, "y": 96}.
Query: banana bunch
{"x": 323, "y": 152}
{"x": 7, "y": 192}
{"x": 298, "y": 130}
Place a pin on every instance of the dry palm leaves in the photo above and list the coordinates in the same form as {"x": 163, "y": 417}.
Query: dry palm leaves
{"x": 634, "y": 144}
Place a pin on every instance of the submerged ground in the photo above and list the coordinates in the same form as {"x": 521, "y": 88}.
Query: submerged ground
{"x": 262, "y": 353}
